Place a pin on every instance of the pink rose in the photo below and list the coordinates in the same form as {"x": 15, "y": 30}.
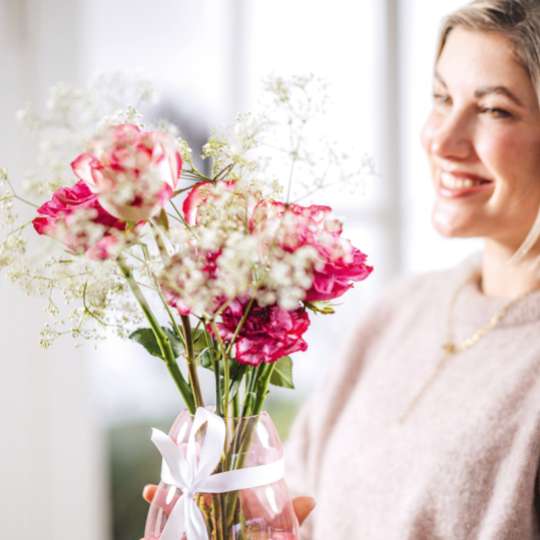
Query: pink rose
{"x": 294, "y": 225}
{"x": 173, "y": 280}
{"x": 175, "y": 301}
{"x": 133, "y": 172}
{"x": 201, "y": 194}
{"x": 341, "y": 264}
{"x": 58, "y": 217}
{"x": 337, "y": 277}
{"x": 268, "y": 334}
{"x": 197, "y": 195}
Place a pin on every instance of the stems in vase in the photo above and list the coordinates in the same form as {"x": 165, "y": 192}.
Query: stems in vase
{"x": 236, "y": 403}
{"x": 191, "y": 363}
{"x": 224, "y": 355}
{"x": 263, "y": 384}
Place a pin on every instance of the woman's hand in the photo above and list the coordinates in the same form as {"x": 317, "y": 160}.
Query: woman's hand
{"x": 302, "y": 505}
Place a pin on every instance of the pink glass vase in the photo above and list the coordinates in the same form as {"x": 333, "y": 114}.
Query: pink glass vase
{"x": 260, "y": 513}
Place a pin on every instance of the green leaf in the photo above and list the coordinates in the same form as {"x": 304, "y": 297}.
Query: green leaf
{"x": 237, "y": 371}
{"x": 204, "y": 358}
{"x": 324, "y": 308}
{"x": 199, "y": 340}
{"x": 177, "y": 345}
{"x": 163, "y": 219}
{"x": 146, "y": 338}
{"x": 282, "y": 373}
{"x": 202, "y": 347}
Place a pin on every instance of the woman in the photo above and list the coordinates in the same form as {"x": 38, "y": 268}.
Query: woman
{"x": 430, "y": 428}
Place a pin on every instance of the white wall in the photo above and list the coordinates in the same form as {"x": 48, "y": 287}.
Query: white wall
{"x": 183, "y": 46}
{"x": 51, "y": 464}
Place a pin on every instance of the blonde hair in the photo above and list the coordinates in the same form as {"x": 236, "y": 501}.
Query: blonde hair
{"x": 519, "y": 21}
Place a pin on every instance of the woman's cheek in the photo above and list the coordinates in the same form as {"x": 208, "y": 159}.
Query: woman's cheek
{"x": 514, "y": 163}
{"x": 497, "y": 153}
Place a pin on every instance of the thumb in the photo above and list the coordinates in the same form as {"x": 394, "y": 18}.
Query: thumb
{"x": 303, "y": 507}
{"x": 149, "y": 492}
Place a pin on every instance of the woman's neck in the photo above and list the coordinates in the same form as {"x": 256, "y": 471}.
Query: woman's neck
{"x": 501, "y": 278}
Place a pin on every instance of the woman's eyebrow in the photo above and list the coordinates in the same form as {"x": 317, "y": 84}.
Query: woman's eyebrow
{"x": 499, "y": 90}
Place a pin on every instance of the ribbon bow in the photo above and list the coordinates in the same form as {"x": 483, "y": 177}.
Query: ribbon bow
{"x": 191, "y": 472}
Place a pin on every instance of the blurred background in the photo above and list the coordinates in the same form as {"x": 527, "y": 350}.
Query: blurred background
{"x": 75, "y": 423}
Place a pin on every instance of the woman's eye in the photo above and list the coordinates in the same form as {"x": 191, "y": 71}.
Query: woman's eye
{"x": 495, "y": 112}
{"x": 441, "y": 99}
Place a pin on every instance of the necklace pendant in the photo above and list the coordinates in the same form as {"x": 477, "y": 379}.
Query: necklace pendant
{"x": 449, "y": 348}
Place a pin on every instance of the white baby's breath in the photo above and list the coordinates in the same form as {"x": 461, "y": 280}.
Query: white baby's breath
{"x": 223, "y": 254}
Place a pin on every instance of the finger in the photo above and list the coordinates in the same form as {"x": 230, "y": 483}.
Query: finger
{"x": 303, "y": 507}
{"x": 149, "y": 492}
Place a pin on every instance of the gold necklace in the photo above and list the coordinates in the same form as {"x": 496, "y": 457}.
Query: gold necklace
{"x": 450, "y": 347}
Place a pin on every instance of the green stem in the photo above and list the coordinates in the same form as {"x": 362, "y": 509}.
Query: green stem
{"x": 186, "y": 336}
{"x": 178, "y": 378}
{"x": 226, "y": 170}
{"x": 162, "y": 340}
{"x": 236, "y": 404}
{"x": 218, "y": 509}
{"x": 86, "y": 307}
{"x": 226, "y": 384}
{"x": 178, "y": 213}
{"x": 191, "y": 362}
{"x": 157, "y": 235}
{"x": 157, "y": 286}
{"x": 226, "y": 373}
{"x": 198, "y": 174}
{"x": 250, "y": 390}
{"x": 260, "y": 380}
{"x": 263, "y": 384}
{"x": 215, "y": 366}
{"x": 219, "y": 408}
{"x": 180, "y": 191}
{"x": 240, "y": 324}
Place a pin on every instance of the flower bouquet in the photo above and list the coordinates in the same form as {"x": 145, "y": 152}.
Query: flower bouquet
{"x": 213, "y": 269}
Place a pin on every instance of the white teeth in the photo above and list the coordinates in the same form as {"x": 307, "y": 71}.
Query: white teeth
{"x": 450, "y": 182}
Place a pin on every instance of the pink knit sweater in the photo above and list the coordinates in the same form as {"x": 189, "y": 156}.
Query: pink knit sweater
{"x": 464, "y": 465}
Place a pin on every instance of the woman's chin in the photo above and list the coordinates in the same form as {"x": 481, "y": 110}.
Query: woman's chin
{"x": 453, "y": 226}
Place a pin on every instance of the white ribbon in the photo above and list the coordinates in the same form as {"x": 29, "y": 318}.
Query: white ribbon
{"x": 191, "y": 472}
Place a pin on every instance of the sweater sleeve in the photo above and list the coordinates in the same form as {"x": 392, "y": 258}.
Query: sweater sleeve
{"x": 319, "y": 413}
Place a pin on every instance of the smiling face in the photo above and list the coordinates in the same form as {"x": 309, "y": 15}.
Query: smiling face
{"x": 482, "y": 139}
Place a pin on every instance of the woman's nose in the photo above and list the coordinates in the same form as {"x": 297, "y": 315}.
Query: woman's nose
{"x": 450, "y": 138}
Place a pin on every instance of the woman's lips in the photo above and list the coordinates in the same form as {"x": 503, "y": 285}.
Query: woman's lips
{"x": 454, "y": 185}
